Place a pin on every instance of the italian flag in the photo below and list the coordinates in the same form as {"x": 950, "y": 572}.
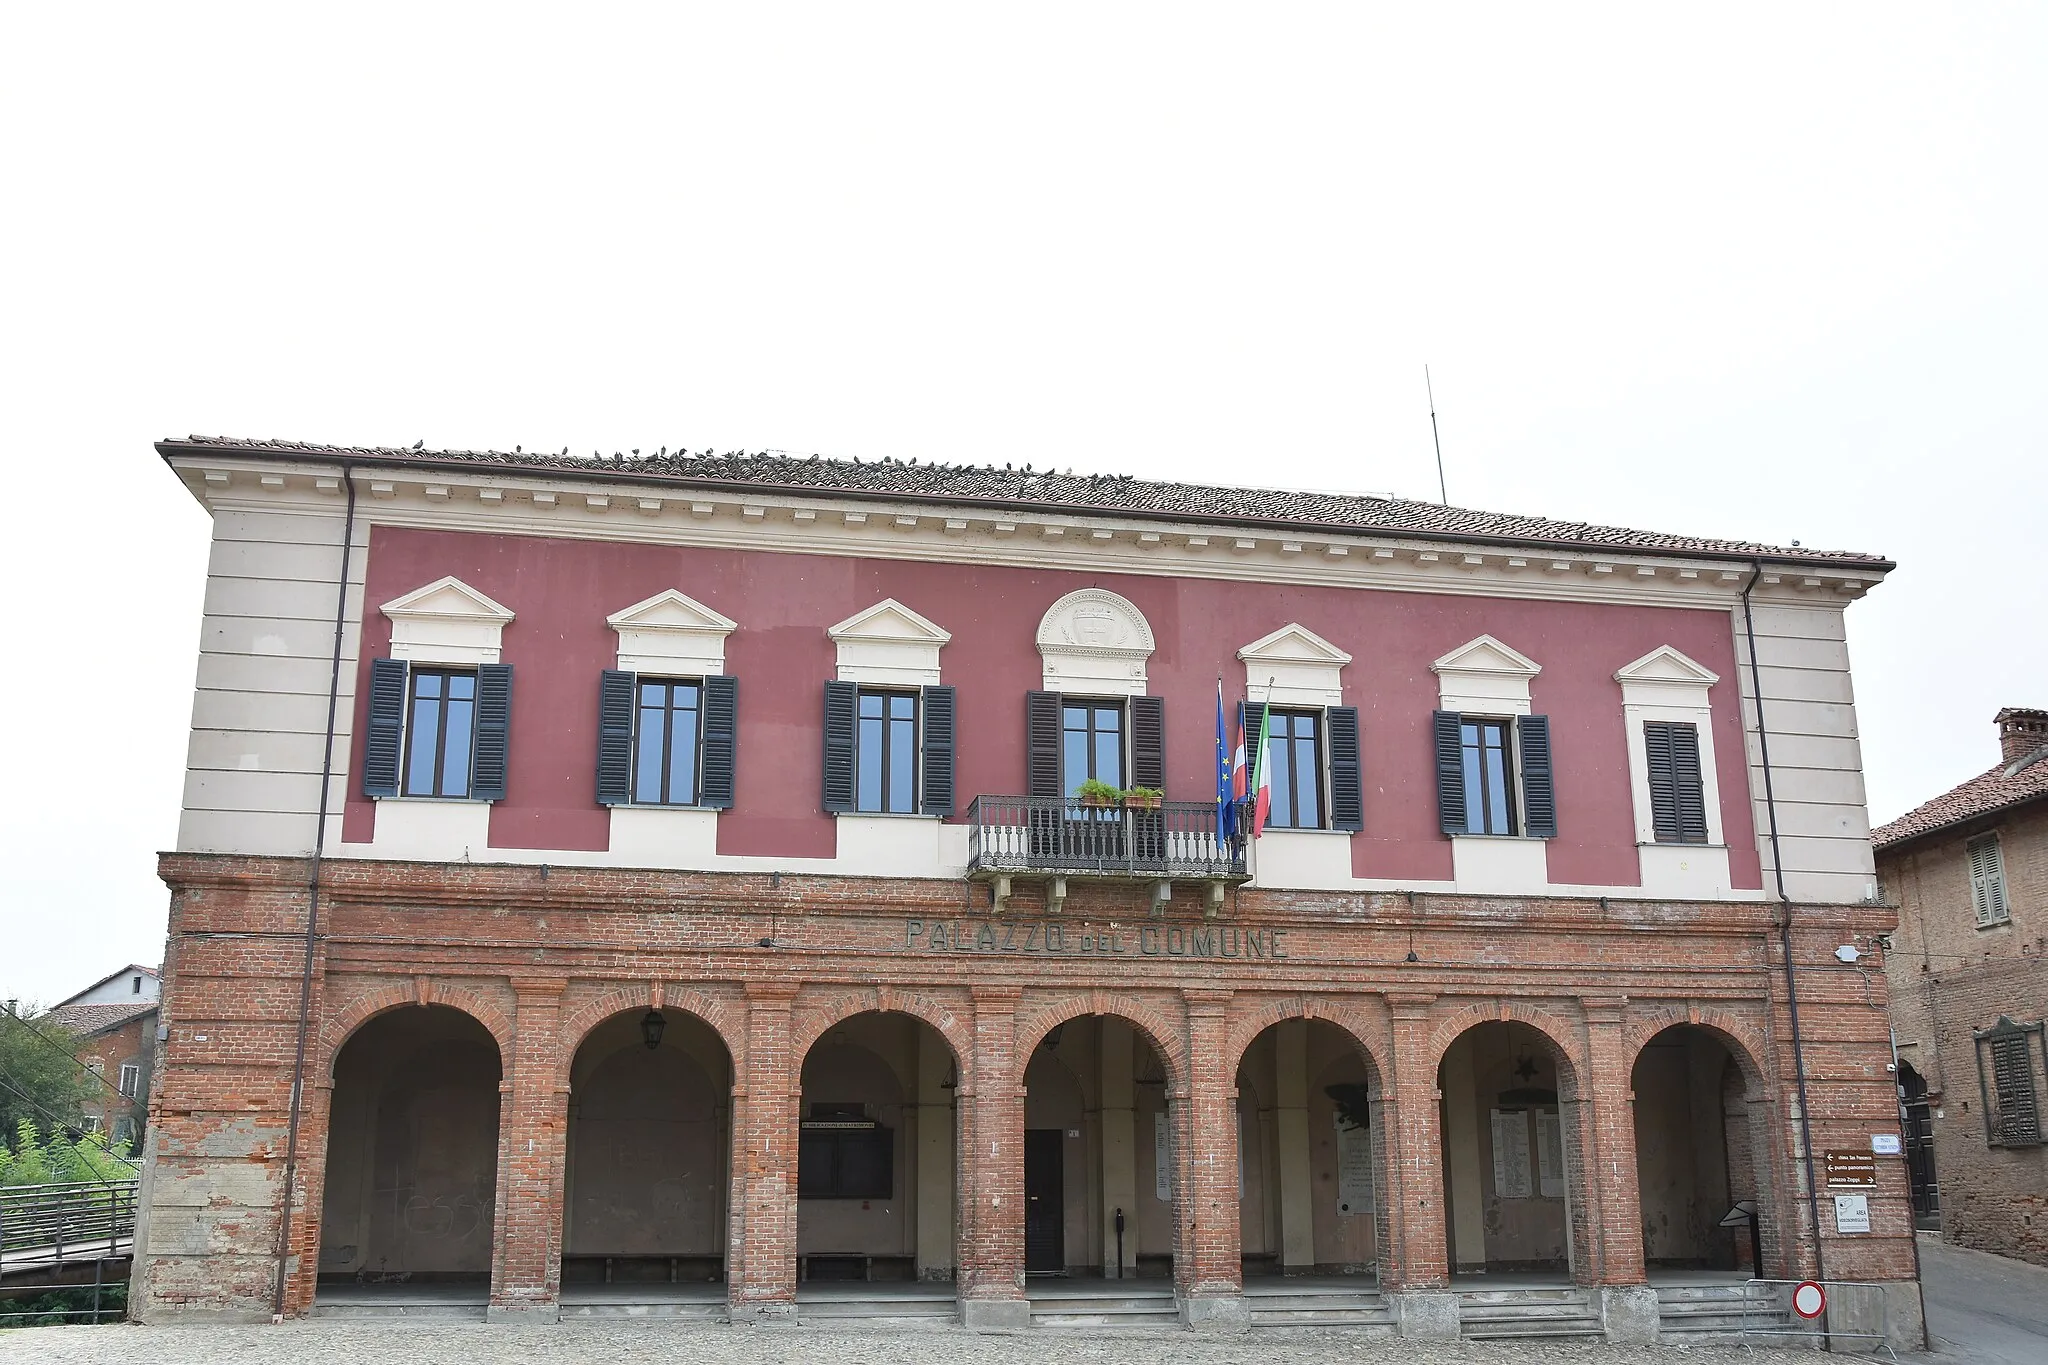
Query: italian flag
{"x": 1262, "y": 777}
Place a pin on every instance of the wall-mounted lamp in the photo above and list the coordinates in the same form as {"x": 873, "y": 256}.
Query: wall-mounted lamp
{"x": 652, "y": 1025}
{"x": 1411, "y": 948}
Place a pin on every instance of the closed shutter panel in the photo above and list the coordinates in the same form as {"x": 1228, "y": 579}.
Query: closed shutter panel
{"x": 615, "y": 738}
{"x": 721, "y": 741}
{"x": 1987, "y": 880}
{"x": 1251, "y": 725}
{"x": 1688, "y": 786}
{"x": 383, "y": 739}
{"x": 939, "y": 731}
{"x": 2012, "y": 1075}
{"x": 1539, "y": 796}
{"x": 842, "y": 701}
{"x": 1450, "y": 772}
{"x": 1663, "y": 782}
{"x": 1347, "y": 787}
{"x": 1148, "y": 742}
{"x": 493, "y": 732}
{"x": 1042, "y": 744}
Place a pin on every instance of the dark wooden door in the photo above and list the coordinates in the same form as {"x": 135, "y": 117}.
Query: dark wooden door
{"x": 1045, "y": 1222}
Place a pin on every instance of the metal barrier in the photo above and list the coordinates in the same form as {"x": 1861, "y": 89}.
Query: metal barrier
{"x": 45, "y": 1228}
{"x": 1780, "y": 1302}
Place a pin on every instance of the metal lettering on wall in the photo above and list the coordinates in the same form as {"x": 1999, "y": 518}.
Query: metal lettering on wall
{"x": 1059, "y": 939}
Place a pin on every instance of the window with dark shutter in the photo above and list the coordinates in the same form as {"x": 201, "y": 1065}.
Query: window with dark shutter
{"x": 721, "y": 741}
{"x": 939, "y": 730}
{"x": 1678, "y": 805}
{"x": 493, "y": 732}
{"x": 384, "y": 736}
{"x": 1148, "y": 742}
{"x": 1296, "y": 779}
{"x": 1347, "y": 778}
{"x": 885, "y": 752}
{"x": 842, "y": 704}
{"x": 1042, "y": 744}
{"x": 1539, "y": 796}
{"x": 614, "y": 738}
{"x": 2009, "y": 1069}
{"x": 1448, "y": 729}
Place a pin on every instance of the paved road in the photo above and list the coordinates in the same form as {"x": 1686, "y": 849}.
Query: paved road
{"x": 1983, "y": 1309}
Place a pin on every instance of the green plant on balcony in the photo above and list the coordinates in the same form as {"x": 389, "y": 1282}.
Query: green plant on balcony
{"x": 1143, "y": 798}
{"x": 1097, "y": 794}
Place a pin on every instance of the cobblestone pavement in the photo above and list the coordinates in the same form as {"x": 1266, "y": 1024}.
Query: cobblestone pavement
{"x": 631, "y": 1343}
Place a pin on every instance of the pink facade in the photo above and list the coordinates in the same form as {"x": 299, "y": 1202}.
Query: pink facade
{"x": 562, "y": 590}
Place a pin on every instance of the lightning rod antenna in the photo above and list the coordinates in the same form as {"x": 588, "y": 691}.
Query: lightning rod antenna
{"x": 1442, "y": 495}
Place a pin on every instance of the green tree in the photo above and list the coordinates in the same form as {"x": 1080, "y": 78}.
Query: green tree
{"x": 41, "y": 1079}
{"x": 29, "y": 1158}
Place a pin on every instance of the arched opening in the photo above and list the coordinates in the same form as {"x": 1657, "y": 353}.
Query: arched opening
{"x": 1098, "y": 1160}
{"x": 1310, "y": 1156}
{"x": 877, "y": 1153}
{"x": 645, "y": 1176}
{"x": 1701, "y": 1161}
{"x": 1916, "y": 1121}
{"x": 1509, "y": 1144}
{"x": 412, "y": 1161}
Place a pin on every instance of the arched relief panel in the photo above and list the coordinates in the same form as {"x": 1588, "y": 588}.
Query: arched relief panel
{"x": 1167, "y": 1036}
{"x": 1095, "y": 641}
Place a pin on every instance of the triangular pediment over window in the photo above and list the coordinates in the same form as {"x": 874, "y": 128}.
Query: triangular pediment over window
{"x": 671, "y": 610}
{"x": 889, "y": 620}
{"x": 448, "y": 599}
{"x": 1294, "y": 643}
{"x": 446, "y": 622}
{"x": 1294, "y": 666}
{"x": 1666, "y": 665}
{"x": 672, "y": 634}
{"x": 1487, "y": 655}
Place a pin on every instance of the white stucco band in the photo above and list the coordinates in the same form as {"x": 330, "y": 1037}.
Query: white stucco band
{"x": 1294, "y": 666}
{"x": 1485, "y": 676}
{"x": 1095, "y": 641}
{"x": 888, "y": 644}
{"x": 446, "y": 622}
{"x": 671, "y": 635}
{"x": 1665, "y": 685}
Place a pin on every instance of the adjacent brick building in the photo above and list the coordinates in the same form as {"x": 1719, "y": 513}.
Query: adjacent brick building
{"x": 1969, "y": 975}
{"x": 115, "y": 1020}
{"x": 707, "y": 889}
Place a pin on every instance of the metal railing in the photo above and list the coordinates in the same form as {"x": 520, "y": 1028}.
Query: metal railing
{"x": 69, "y": 1221}
{"x": 1778, "y": 1320}
{"x": 1051, "y": 834}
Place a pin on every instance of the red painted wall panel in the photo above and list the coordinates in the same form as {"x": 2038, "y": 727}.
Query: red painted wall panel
{"x": 562, "y": 590}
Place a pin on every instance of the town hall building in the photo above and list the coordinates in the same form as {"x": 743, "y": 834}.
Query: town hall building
{"x": 757, "y": 883}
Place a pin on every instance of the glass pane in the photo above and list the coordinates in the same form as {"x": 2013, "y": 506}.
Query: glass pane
{"x": 867, "y": 753}
{"x": 902, "y": 764}
{"x": 1108, "y": 718}
{"x": 682, "y": 756}
{"x": 455, "y": 751}
{"x": 426, "y": 736}
{"x": 1475, "y": 784}
{"x": 426, "y": 684}
{"x": 653, "y": 694}
{"x": 870, "y": 705}
{"x": 686, "y": 695}
{"x": 1074, "y": 718}
{"x": 902, "y": 708}
{"x": 462, "y": 685}
{"x": 647, "y": 771}
{"x": 1109, "y": 757}
{"x": 1496, "y": 783}
{"x": 1308, "y": 797}
{"x": 1282, "y": 812}
{"x": 1074, "y": 759}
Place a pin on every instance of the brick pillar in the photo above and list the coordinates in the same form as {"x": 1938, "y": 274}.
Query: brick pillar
{"x": 1414, "y": 1264}
{"x": 1604, "y": 1186}
{"x": 1208, "y": 1254}
{"x": 761, "y": 1262}
{"x": 533, "y": 1122}
{"x": 991, "y": 1277}
{"x": 309, "y": 1192}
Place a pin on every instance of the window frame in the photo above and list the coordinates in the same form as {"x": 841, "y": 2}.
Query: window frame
{"x": 669, "y": 710}
{"x": 2002, "y": 1037}
{"x": 887, "y": 695}
{"x": 1678, "y": 803}
{"x": 413, "y": 700}
{"x": 130, "y": 1081}
{"x": 1990, "y": 901}
{"x": 1511, "y": 774}
{"x": 1320, "y": 762}
{"x": 1070, "y": 785}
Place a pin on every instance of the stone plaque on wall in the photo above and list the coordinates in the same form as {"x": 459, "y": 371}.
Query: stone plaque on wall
{"x": 1162, "y": 1158}
{"x": 1549, "y": 1155}
{"x": 1511, "y": 1154}
{"x": 1354, "y": 1169}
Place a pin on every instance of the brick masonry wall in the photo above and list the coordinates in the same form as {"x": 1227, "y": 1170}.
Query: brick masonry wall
{"x": 132, "y": 1044}
{"x": 1951, "y": 979}
{"x": 539, "y": 956}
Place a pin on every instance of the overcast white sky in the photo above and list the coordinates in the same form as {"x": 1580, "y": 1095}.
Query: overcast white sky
{"x": 1771, "y": 271}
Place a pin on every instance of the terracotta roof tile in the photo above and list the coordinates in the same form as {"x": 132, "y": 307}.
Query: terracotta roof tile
{"x": 99, "y": 1018}
{"x": 1049, "y": 489}
{"x": 2008, "y": 784}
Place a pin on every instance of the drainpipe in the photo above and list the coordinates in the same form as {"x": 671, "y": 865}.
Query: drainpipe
{"x": 291, "y": 1141}
{"x": 1763, "y": 744}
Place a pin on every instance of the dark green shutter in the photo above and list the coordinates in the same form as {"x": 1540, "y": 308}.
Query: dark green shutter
{"x": 493, "y": 732}
{"x": 614, "y": 738}
{"x": 938, "y": 751}
{"x": 1663, "y": 782}
{"x": 721, "y": 709}
{"x": 1148, "y": 742}
{"x": 1450, "y": 772}
{"x": 1042, "y": 744}
{"x": 842, "y": 703}
{"x": 1539, "y": 795}
{"x": 1678, "y": 804}
{"x": 383, "y": 741}
{"x": 1347, "y": 785}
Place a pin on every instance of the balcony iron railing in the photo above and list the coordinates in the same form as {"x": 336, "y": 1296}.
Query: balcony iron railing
{"x": 1062, "y": 837}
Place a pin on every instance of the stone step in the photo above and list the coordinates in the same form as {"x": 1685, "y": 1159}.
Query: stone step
{"x": 1532, "y": 1331}
{"x": 1315, "y": 1303}
{"x": 1153, "y": 1310}
{"x": 892, "y": 1309}
{"x": 1323, "y": 1317}
{"x": 424, "y": 1312}
{"x": 1167, "y": 1320}
{"x": 670, "y": 1311}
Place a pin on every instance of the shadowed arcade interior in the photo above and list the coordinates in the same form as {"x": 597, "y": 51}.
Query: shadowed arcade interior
{"x": 1508, "y": 1115}
{"x": 1700, "y": 1149}
{"x": 412, "y": 1153}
